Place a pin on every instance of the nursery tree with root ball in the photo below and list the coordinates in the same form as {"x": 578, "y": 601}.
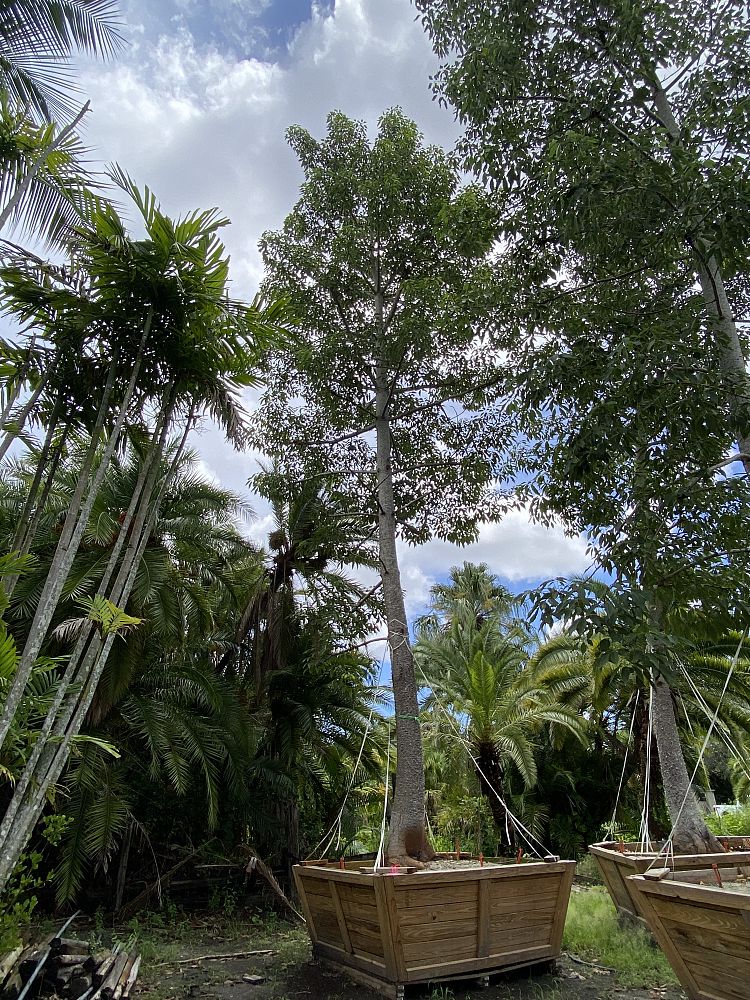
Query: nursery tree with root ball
{"x": 614, "y": 135}
{"x": 386, "y": 262}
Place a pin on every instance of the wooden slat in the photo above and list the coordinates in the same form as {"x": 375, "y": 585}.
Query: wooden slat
{"x": 442, "y": 930}
{"x": 392, "y": 966}
{"x": 561, "y": 909}
{"x": 303, "y": 903}
{"x": 341, "y": 919}
{"x": 483, "y": 919}
{"x": 437, "y": 952}
{"x": 715, "y": 919}
{"x": 427, "y": 972}
{"x": 420, "y": 916}
{"x": 507, "y": 941}
{"x": 725, "y": 950}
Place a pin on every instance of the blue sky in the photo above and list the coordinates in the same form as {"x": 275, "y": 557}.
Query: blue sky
{"x": 197, "y": 108}
{"x": 243, "y": 28}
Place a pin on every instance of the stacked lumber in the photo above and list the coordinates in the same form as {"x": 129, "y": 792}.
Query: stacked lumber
{"x": 65, "y": 968}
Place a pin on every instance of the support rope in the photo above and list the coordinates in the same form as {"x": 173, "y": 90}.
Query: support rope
{"x": 688, "y": 791}
{"x": 624, "y": 766}
{"x": 379, "y": 855}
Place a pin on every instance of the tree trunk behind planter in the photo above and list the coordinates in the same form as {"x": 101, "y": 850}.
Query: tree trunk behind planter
{"x": 690, "y": 835}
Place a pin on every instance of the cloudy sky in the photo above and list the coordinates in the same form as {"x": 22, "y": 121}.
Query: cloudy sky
{"x": 197, "y": 106}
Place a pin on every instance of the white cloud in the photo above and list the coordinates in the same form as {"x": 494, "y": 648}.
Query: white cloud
{"x": 203, "y": 128}
{"x": 516, "y": 549}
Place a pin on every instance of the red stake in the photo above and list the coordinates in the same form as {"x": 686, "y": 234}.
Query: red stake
{"x": 519, "y": 855}
{"x": 341, "y": 862}
{"x": 481, "y": 861}
{"x": 717, "y": 873}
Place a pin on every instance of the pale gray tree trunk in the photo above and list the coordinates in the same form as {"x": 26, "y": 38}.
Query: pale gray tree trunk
{"x": 690, "y": 834}
{"x": 718, "y": 309}
{"x": 72, "y": 531}
{"x": 55, "y": 751}
{"x": 406, "y": 836}
{"x": 12, "y": 835}
{"x": 10, "y": 436}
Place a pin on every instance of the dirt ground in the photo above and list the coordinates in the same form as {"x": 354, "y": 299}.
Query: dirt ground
{"x": 290, "y": 972}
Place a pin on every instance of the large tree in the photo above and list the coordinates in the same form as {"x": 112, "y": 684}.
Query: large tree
{"x": 385, "y": 262}
{"x": 614, "y": 136}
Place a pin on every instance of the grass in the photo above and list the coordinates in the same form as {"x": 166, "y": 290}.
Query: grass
{"x": 592, "y": 932}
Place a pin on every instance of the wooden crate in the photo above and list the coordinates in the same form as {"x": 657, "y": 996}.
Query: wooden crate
{"x": 616, "y": 867}
{"x": 703, "y": 930}
{"x": 391, "y": 930}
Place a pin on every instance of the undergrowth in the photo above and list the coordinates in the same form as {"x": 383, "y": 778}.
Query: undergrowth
{"x": 592, "y": 932}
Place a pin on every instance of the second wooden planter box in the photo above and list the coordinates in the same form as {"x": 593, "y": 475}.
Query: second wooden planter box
{"x": 617, "y": 863}
{"x": 391, "y": 930}
{"x": 704, "y": 931}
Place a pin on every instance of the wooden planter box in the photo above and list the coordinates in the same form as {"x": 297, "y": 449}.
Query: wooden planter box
{"x": 391, "y": 930}
{"x": 703, "y": 930}
{"x": 616, "y": 867}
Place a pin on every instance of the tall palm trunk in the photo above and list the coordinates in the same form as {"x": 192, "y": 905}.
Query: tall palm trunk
{"x": 32, "y": 509}
{"x": 10, "y": 436}
{"x": 81, "y": 649}
{"x": 690, "y": 834}
{"x": 73, "y": 527}
{"x": 55, "y": 752}
{"x": 490, "y": 775}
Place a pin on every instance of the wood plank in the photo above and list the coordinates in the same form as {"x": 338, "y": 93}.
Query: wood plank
{"x": 421, "y": 915}
{"x": 436, "y": 952}
{"x": 530, "y": 918}
{"x": 688, "y": 913}
{"x": 464, "y": 876}
{"x": 561, "y": 909}
{"x": 442, "y": 930}
{"x": 408, "y": 897}
{"x": 707, "y": 896}
{"x": 646, "y": 900}
{"x": 389, "y": 951}
{"x": 327, "y": 929}
{"x": 728, "y": 987}
{"x": 524, "y": 904}
{"x": 509, "y": 941}
{"x": 725, "y": 950}
{"x": 393, "y": 991}
{"x": 303, "y": 903}
{"x": 368, "y": 944}
{"x": 427, "y": 972}
{"x": 483, "y": 919}
{"x": 341, "y": 919}
{"x": 394, "y": 921}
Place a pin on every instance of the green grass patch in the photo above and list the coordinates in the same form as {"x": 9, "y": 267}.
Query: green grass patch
{"x": 592, "y": 932}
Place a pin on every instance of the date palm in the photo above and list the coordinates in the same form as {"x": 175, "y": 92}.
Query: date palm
{"x": 475, "y": 659}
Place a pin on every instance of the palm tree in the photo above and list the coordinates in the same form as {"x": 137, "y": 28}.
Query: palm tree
{"x": 475, "y": 659}
{"x": 154, "y": 315}
{"x": 313, "y": 540}
{"x": 37, "y": 38}
{"x": 44, "y": 182}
